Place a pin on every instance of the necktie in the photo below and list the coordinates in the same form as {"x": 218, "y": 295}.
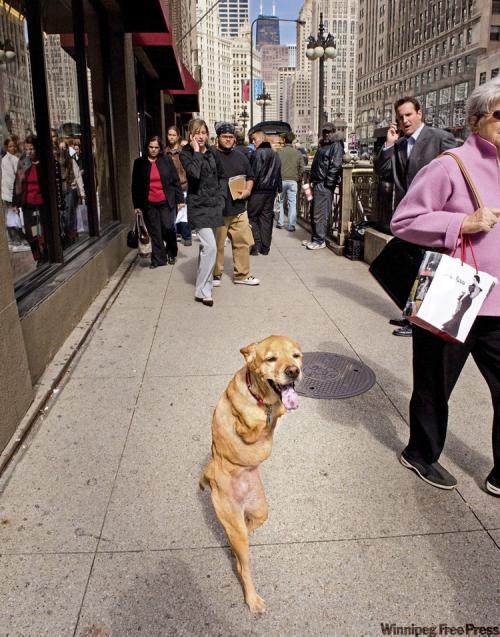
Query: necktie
{"x": 409, "y": 146}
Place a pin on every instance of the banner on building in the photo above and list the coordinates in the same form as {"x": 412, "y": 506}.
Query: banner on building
{"x": 258, "y": 88}
{"x": 245, "y": 90}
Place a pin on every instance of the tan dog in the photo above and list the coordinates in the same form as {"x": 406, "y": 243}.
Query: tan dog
{"x": 242, "y": 435}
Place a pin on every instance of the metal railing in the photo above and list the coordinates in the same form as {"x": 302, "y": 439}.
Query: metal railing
{"x": 354, "y": 200}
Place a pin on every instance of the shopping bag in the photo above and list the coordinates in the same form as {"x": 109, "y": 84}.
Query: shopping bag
{"x": 12, "y": 218}
{"x": 447, "y": 295}
{"x": 182, "y": 215}
{"x": 396, "y": 267}
{"x": 144, "y": 246}
{"x": 82, "y": 218}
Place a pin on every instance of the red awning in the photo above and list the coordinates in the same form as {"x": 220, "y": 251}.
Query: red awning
{"x": 186, "y": 99}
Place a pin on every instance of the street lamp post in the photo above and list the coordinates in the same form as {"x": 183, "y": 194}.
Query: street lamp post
{"x": 263, "y": 100}
{"x": 301, "y": 22}
{"x": 321, "y": 48}
{"x": 244, "y": 118}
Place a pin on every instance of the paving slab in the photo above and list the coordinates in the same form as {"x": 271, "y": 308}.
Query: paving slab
{"x": 42, "y": 594}
{"x": 319, "y": 588}
{"x": 55, "y": 498}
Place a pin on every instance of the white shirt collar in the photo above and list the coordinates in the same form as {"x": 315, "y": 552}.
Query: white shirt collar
{"x": 417, "y": 132}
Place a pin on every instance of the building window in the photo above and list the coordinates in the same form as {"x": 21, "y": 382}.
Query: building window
{"x": 494, "y": 73}
{"x": 482, "y": 77}
{"x": 494, "y": 32}
{"x": 495, "y": 6}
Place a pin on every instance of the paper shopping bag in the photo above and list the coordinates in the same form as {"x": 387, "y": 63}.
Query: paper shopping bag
{"x": 447, "y": 295}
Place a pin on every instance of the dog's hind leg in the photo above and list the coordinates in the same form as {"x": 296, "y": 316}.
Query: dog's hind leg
{"x": 232, "y": 518}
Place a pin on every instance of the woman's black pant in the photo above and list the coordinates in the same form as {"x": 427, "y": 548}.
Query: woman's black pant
{"x": 437, "y": 364}
{"x": 261, "y": 216}
{"x": 160, "y": 222}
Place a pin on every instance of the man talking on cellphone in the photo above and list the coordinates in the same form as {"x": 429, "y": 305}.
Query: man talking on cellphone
{"x": 409, "y": 146}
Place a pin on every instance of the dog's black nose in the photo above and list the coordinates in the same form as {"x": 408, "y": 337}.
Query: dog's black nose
{"x": 292, "y": 371}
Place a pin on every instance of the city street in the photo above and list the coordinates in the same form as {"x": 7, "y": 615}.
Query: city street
{"x": 104, "y": 531}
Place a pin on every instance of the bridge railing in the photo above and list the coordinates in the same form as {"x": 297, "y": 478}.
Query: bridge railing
{"x": 354, "y": 200}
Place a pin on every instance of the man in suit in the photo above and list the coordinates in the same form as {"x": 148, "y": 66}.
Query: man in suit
{"x": 402, "y": 156}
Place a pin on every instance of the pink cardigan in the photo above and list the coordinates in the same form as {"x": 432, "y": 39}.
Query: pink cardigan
{"x": 438, "y": 200}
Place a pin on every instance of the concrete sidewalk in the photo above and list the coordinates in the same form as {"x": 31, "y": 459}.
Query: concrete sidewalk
{"x": 103, "y": 530}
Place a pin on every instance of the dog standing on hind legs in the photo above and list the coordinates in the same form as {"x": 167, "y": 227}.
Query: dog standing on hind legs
{"x": 242, "y": 436}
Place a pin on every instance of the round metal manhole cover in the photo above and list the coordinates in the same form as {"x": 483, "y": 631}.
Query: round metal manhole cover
{"x": 327, "y": 375}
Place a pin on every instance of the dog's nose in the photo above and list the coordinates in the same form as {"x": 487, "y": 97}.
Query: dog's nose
{"x": 292, "y": 371}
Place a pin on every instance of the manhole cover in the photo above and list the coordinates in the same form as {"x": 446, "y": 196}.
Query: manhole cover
{"x": 328, "y": 375}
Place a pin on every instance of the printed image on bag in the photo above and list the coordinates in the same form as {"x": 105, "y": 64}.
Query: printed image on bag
{"x": 447, "y": 295}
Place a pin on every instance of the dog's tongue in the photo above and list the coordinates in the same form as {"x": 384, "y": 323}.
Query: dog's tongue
{"x": 289, "y": 397}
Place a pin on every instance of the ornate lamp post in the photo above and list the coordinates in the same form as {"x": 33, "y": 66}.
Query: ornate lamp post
{"x": 263, "y": 100}
{"x": 321, "y": 48}
{"x": 244, "y": 118}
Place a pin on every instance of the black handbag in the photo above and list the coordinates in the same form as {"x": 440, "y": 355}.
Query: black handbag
{"x": 133, "y": 234}
{"x": 396, "y": 268}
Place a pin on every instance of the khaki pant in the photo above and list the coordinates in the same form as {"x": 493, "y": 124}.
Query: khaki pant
{"x": 239, "y": 231}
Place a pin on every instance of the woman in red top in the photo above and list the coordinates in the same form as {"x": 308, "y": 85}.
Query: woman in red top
{"x": 157, "y": 193}
{"x": 28, "y": 196}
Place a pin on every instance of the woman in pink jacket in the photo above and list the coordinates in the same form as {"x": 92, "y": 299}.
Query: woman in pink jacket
{"x": 437, "y": 206}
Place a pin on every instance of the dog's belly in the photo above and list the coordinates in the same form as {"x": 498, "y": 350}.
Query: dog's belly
{"x": 247, "y": 489}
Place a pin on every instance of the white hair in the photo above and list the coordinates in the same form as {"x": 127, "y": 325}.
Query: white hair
{"x": 483, "y": 98}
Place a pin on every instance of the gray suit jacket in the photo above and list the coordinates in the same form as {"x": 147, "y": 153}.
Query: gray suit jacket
{"x": 392, "y": 164}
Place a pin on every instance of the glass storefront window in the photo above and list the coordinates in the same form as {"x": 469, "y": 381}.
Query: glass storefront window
{"x": 98, "y": 105}
{"x": 23, "y": 200}
{"x": 66, "y": 129}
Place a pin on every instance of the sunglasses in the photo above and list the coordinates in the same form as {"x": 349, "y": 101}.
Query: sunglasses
{"x": 496, "y": 115}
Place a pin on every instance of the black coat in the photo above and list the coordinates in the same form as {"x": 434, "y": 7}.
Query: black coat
{"x": 392, "y": 163}
{"x": 326, "y": 168}
{"x": 266, "y": 167}
{"x": 207, "y": 187}
{"x": 169, "y": 179}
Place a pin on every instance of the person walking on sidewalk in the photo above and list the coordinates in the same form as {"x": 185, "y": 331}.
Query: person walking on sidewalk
{"x": 435, "y": 213}
{"x": 236, "y": 224}
{"x": 326, "y": 173}
{"x": 206, "y": 199}
{"x": 157, "y": 193}
{"x": 173, "y": 150}
{"x": 402, "y": 156}
{"x": 266, "y": 167}
{"x": 292, "y": 169}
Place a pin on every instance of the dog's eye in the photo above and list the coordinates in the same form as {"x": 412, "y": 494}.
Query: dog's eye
{"x": 297, "y": 355}
{"x": 271, "y": 359}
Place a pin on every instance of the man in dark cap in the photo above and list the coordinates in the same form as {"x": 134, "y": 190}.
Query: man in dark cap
{"x": 236, "y": 225}
{"x": 326, "y": 173}
{"x": 266, "y": 166}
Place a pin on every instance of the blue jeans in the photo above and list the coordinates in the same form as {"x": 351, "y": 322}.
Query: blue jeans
{"x": 290, "y": 188}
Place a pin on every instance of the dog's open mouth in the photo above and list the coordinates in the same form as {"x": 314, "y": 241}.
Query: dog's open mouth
{"x": 287, "y": 393}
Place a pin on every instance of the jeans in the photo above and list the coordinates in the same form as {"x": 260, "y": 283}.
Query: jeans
{"x": 322, "y": 205}
{"x": 290, "y": 188}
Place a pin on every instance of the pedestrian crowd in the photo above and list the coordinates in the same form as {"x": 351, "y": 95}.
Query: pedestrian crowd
{"x": 228, "y": 192}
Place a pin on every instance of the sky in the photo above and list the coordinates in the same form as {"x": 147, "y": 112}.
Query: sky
{"x": 284, "y": 9}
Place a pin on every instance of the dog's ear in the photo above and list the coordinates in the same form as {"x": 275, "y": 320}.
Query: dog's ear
{"x": 249, "y": 352}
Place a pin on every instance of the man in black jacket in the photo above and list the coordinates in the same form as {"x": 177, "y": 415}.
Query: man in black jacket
{"x": 236, "y": 224}
{"x": 326, "y": 173}
{"x": 266, "y": 167}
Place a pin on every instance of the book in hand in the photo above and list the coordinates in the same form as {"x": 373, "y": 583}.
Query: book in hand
{"x": 236, "y": 185}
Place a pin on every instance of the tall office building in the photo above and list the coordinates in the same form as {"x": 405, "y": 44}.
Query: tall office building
{"x": 300, "y": 115}
{"x": 214, "y": 58}
{"x": 240, "y": 53}
{"x": 268, "y": 30}
{"x": 431, "y": 51}
{"x": 234, "y": 14}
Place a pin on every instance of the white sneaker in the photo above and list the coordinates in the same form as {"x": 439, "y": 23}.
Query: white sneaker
{"x": 216, "y": 282}
{"x": 305, "y": 242}
{"x": 250, "y": 280}
{"x": 19, "y": 248}
{"x": 316, "y": 246}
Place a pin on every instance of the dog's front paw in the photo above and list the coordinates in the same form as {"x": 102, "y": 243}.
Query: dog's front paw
{"x": 256, "y": 604}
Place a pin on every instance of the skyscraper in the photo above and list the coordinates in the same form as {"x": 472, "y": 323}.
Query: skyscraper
{"x": 233, "y": 15}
